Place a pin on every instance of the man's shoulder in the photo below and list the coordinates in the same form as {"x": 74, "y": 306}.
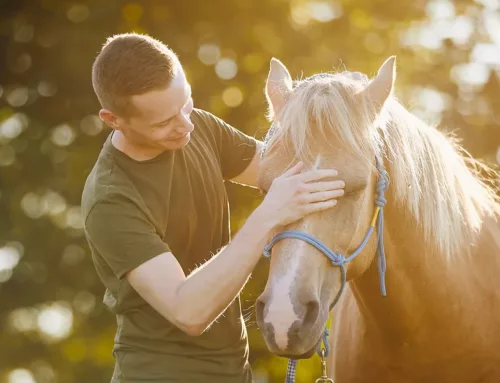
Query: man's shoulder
{"x": 202, "y": 117}
{"x": 106, "y": 183}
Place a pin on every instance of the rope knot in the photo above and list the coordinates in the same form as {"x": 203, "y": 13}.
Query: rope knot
{"x": 380, "y": 201}
{"x": 267, "y": 251}
{"x": 382, "y": 185}
{"x": 337, "y": 259}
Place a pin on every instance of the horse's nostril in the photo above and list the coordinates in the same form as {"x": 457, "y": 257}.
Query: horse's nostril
{"x": 312, "y": 311}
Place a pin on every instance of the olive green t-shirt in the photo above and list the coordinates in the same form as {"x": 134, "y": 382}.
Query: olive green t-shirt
{"x": 176, "y": 202}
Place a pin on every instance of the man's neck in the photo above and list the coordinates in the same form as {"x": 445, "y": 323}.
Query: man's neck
{"x": 137, "y": 153}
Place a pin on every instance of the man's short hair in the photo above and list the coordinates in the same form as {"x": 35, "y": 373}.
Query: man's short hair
{"x": 131, "y": 64}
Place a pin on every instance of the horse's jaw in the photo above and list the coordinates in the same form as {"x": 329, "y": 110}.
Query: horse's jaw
{"x": 305, "y": 355}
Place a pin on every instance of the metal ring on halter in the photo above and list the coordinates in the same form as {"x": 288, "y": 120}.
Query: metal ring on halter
{"x": 324, "y": 377}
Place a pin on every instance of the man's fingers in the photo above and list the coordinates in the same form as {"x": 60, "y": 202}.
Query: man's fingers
{"x": 314, "y": 187}
{"x": 324, "y": 195}
{"x": 314, "y": 175}
{"x": 320, "y": 206}
{"x": 294, "y": 169}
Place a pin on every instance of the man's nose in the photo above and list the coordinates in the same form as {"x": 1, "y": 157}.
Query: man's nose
{"x": 186, "y": 125}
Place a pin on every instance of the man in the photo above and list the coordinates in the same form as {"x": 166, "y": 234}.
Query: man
{"x": 157, "y": 220}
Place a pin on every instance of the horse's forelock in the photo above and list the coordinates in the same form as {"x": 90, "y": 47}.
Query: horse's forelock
{"x": 329, "y": 108}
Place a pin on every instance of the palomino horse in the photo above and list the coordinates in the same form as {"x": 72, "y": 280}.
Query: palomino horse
{"x": 440, "y": 319}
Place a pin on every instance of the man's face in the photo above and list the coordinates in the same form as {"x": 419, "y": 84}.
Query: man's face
{"x": 162, "y": 117}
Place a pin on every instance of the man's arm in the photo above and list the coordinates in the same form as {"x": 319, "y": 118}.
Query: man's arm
{"x": 249, "y": 176}
{"x": 192, "y": 303}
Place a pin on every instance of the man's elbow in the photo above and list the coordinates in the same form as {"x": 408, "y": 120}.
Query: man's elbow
{"x": 194, "y": 330}
{"x": 190, "y": 326}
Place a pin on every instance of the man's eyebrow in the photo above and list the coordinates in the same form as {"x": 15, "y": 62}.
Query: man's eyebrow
{"x": 170, "y": 118}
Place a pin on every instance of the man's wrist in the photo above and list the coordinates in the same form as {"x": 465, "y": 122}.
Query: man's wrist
{"x": 263, "y": 220}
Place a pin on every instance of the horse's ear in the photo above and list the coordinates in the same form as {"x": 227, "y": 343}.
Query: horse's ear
{"x": 379, "y": 89}
{"x": 279, "y": 84}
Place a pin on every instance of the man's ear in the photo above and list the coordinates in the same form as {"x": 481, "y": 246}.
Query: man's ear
{"x": 110, "y": 119}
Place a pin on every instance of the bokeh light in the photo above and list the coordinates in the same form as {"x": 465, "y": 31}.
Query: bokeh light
{"x": 21, "y": 63}
{"x": 13, "y": 126}
{"x": 23, "y": 319}
{"x": 72, "y": 255}
{"x": 440, "y": 9}
{"x": 47, "y": 88}
{"x": 474, "y": 74}
{"x": 43, "y": 372}
{"x": 21, "y": 375}
{"x": 17, "y": 97}
{"x": 91, "y": 125}
{"x": 55, "y": 321}
{"x": 300, "y": 13}
{"x": 84, "y": 302}
{"x": 9, "y": 258}
{"x": 63, "y": 135}
{"x": 78, "y": 13}
{"x": 74, "y": 217}
{"x": 36, "y": 205}
{"x": 232, "y": 96}
{"x": 488, "y": 54}
{"x": 226, "y": 68}
{"x": 132, "y": 12}
{"x": 30, "y": 203}
{"x": 53, "y": 203}
{"x": 209, "y": 54}
{"x": 324, "y": 11}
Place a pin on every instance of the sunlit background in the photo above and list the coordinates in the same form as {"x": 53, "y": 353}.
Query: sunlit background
{"x": 54, "y": 327}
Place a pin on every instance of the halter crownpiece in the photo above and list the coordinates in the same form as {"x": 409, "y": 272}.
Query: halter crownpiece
{"x": 338, "y": 259}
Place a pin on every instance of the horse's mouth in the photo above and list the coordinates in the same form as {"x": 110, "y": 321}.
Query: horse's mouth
{"x": 305, "y": 355}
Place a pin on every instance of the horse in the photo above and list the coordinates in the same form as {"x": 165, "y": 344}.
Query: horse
{"x": 439, "y": 318}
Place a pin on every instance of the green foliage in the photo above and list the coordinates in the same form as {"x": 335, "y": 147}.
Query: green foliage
{"x": 52, "y": 320}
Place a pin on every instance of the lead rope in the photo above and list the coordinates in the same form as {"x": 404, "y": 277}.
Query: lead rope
{"x": 339, "y": 260}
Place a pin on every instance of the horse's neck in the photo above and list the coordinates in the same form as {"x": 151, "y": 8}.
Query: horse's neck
{"x": 424, "y": 289}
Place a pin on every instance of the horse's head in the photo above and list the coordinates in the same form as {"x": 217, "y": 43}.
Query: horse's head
{"x": 328, "y": 121}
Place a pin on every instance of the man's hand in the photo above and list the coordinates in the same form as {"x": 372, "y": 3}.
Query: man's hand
{"x": 294, "y": 195}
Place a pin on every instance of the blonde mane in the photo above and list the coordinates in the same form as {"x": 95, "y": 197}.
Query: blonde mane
{"x": 431, "y": 175}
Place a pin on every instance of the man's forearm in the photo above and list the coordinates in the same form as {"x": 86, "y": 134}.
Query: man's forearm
{"x": 206, "y": 292}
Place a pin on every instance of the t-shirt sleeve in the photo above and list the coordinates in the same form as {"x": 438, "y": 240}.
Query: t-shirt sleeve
{"x": 236, "y": 149}
{"x": 122, "y": 235}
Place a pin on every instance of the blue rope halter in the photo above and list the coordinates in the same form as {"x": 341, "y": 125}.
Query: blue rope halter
{"x": 339, "y": 260}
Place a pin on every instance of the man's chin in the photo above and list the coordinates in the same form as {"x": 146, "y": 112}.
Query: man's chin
{"x": 177, "y": 144}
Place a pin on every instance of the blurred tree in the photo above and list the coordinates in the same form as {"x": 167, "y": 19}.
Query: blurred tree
{"x": 53, "y": 326}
